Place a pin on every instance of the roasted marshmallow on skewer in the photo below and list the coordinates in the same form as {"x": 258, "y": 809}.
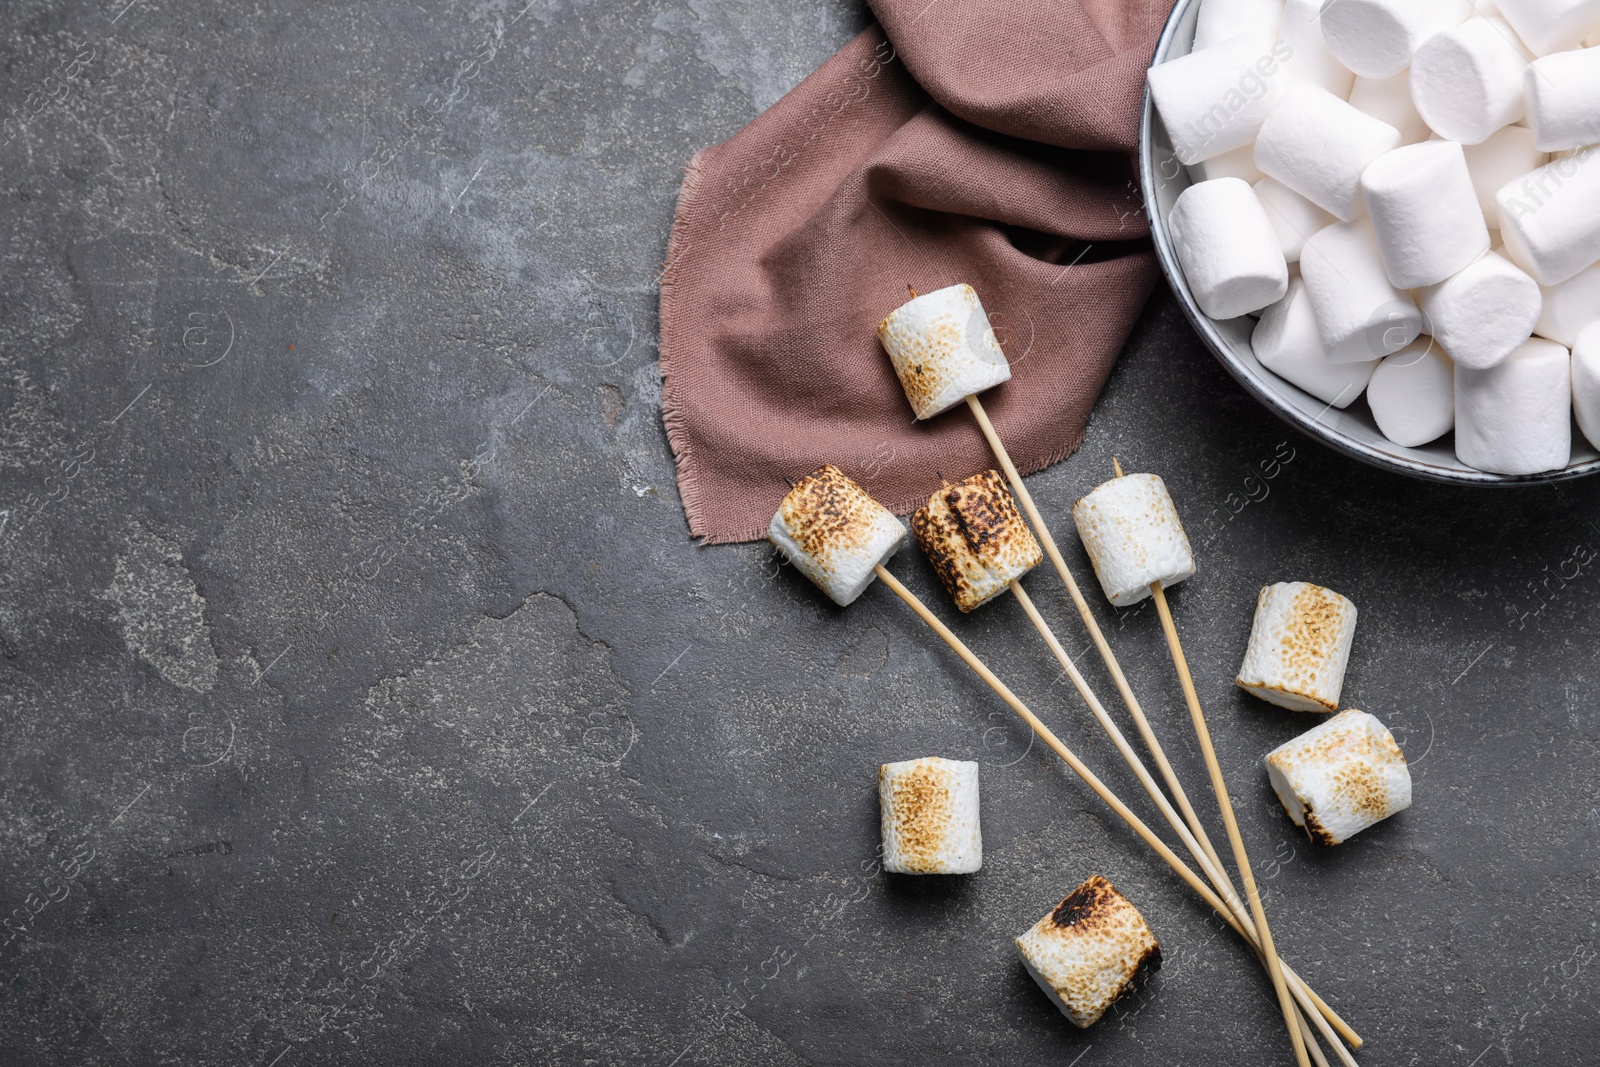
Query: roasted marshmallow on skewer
{"x": 975, "y": 538}
{"x": 929, "y": 815}
{"x": 1299, "y": 647}
{"x": 1231, "y": 256}
{"x": 1341, "y": 777}
{"x": 1512, "y": 418}
{"x": 1130, "y": 528}
{"x": 943, "y": 349}
{"x": 1089, "y": 950}
{"x": 835, "y": 533}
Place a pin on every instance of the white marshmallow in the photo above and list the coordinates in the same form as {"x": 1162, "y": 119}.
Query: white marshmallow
{"x": 1424, "y": 212}
{"x": 1389, "y": 100}
{"x": 1467, "y": 81}
{"x": 1360, "y": 315}
{"x": 1586, "y": 382}
{"x": 1375, "y": 38}
{"x": 1310, "y": 59}
{"x": 1318, "y": 145}
{"x": 1299, "y": 646}
{"x": 1239, "y": 163}
{"x": 1508, "y": 153}
{"x": 1293, "y": 217}
{"x": 835, "y": 533}
{"x": 1287, "y": 343}
{"x": 975, "y": 539}
{"x": 1514, "y": 417}
{"x": 943, "y": 349}
{"x": 1220, "y": 20}
{"x": 1228, "y": 249}
{"x": 1130, "y": 528}
{"x": 1213, "y": 100}
{"x": 1089, "y": 950}
{"x": 928, "y": 811}
{"x": 1562, "y": 93}
{"x": 1547, "y": 26}
{"x": 1550, "y": 219}
{"x": 1341, "y": 777}
{"x": 1567, "y": 309}
{"x": 1482, "y": 314}
{"x": 1412, "y": 394}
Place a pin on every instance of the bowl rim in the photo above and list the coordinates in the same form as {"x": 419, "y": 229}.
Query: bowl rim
{"x": 1254, "y": 383}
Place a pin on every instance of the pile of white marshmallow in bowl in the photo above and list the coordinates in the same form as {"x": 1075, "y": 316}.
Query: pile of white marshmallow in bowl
{"x": 1407, "y": 193}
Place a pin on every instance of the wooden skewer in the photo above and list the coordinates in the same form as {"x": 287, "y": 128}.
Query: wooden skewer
{"x": 1100, "y": 788}
{"x": 1152, "y": 745}
{"x": 1218, "y": 877}
{"x": 1220, "y": 787}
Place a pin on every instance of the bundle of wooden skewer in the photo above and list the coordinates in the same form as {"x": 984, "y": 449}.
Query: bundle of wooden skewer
{"x": 945, "y": 354}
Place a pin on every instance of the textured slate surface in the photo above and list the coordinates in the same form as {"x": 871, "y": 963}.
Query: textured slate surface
{"x": 363, "y": 700}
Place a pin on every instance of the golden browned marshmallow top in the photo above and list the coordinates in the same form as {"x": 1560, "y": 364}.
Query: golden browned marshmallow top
{"x": 834, "y": 532}
{"x": 976, "y": 539}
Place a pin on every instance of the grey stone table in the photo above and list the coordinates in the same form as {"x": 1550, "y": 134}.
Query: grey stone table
{"x": 363, "y": 700}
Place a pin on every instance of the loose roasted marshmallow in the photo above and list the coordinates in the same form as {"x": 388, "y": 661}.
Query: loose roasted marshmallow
{"x": 1287, "y": 343}
{"x": 1220, "y": 20}
{"x": 1586, "y": 382}
{"x": 1089, "y": 950}
{"x": 1563, "y": 99}
{"x": 1389, "y": 100}
{"x": 1240, "y": 163}
{"x": 1341, "y": 777}
{"x": 835, "y": 533}
{"x": 1550, "y": 219}
{"x": 1424, "y": 213}
{"x": 1228, "y": 249}
{"x": 1547, "y": 26}
{"x": 943, "y": 349}
{"x": 929, "y": 816}
{"x": 975, "y": 538}
{"x": 1567, "y": 309}
{"x": 1467, "y": 82}
{"x": 1412, "y": 394}
{"x": 1508, "y": 153}
{"x": 1481, "y": 314}
{"x": 1213, "y": 99}
{"x": 1375, "y": 38}
{"x": 1360, "y": 314}
{"x": 1293, "y": 217}
{"x": 1130, "y": 528}
{"x": 1299, "y": 646}
{"x": 1513, "y": 418}
{"x": 1318, "y": 145}
{"x": 1310, "y": 59}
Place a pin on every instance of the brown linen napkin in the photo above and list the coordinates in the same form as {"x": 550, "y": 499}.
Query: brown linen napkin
{"x": 990, "y": 143}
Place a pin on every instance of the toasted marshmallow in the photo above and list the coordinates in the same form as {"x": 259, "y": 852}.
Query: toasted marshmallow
{"x": 830, "y": 528}
{"x": 1089, "y": 950}
{"x": 943, "y": 349}
{"x": 1341, "y": 777}
{"x": 1130, "y": 528}
{"x": 1299, "y": 646}
{"x": 929, "y": 810}
{"x": 976, "y": 539}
